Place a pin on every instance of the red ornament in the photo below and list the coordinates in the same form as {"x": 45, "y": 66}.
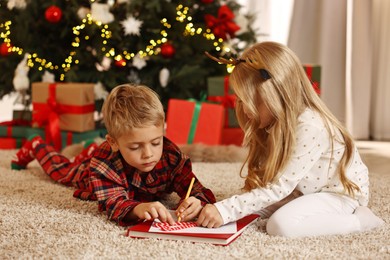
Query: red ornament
{"x": 5, "y": 49}
{"x": 120, "y": 63}
{"x": 53, "y": 14}
{"x": 167, "y": 50}
{"x": 207, "y": 1}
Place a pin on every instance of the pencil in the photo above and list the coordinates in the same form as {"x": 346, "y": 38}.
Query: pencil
{"x": 188, "y": 193}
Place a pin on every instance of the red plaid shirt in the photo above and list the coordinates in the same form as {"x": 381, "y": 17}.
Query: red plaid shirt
{"x": 119, "y": 187}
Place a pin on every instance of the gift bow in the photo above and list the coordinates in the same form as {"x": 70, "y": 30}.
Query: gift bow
{"x": 49, "y": 116}
{"x": 223, "y": 24}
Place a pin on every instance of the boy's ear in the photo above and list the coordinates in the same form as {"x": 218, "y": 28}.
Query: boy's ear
{"x": 112, "y": 142}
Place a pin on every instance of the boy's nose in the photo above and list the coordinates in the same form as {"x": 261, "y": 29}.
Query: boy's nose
{"x": 147, "y": 153}
{"x": 148, "y": 156}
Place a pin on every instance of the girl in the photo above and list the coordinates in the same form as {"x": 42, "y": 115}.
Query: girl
{"x": 294, "y": 143}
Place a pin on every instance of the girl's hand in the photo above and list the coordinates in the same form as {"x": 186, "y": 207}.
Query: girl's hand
{"x": 153, "y": 210}
{"x": 210, "y": 217}
{"x": 189, "y": 209}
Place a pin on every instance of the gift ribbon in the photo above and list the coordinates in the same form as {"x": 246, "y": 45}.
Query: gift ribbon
{"x": 315, "y": 84}
{"x": 227, "y": 101}
{"x": 48, "y": 114}
{"x": 52, "y": 130}
{"x": 69, "y": 138}
{"x": 194, "y": 122}
{"x": 223, "y": 24}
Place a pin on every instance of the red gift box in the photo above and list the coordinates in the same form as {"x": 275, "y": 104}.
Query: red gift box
{"x": 194, "y": 122}
{"x": 11, "y": 142}
{"x": 232, "y": 136}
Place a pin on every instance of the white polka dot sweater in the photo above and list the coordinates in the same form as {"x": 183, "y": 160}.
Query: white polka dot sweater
{"x": 311, "y": 169}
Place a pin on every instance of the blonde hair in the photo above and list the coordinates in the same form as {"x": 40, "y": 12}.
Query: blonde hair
{"x": 286, "y": 94}
{"x": 131, "y": 106}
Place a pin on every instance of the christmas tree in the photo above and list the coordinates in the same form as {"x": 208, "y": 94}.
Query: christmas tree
{"x": 157, "y": 43}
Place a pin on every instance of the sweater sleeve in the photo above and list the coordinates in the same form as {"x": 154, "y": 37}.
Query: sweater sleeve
{"x": 181, "y": 174}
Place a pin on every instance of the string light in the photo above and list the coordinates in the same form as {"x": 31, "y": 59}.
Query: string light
{"x": 105, "y": 34}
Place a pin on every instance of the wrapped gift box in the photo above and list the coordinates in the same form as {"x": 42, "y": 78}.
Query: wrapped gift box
{"x": 219, "y": 91}
{"x": 22, "y": 115}
{"x": 232, "y": 136}
{"x": 313, "y": 72}
{"x": 194, "y": 122}
{"x": 13, "y": 135}
{"x": 218, "y": 86}
{"x": 67, "y": 137}
{"x": 72, "y": 103}
{"x": 12, "y": 131}
{"x": 11, "y": 142}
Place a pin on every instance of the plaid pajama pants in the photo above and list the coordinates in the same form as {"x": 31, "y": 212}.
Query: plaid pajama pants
{"x": 61, "y": 169}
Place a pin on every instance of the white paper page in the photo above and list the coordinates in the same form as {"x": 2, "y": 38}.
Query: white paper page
{"x": 225, "y": 229}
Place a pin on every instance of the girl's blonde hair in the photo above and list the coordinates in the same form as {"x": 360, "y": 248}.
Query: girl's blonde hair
{"x": 131, "y": 106}
{"x": 286, "y": 92}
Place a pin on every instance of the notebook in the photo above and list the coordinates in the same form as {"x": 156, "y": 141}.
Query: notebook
{"x": 223, "y": 235}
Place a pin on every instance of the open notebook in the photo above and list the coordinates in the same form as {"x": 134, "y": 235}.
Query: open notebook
{"x": 223, "y": 235}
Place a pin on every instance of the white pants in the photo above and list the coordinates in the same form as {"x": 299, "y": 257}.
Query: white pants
{"x": 314, "y": 215}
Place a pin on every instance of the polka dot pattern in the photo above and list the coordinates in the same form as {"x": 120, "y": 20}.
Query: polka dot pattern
{"x": 311, "y": 169}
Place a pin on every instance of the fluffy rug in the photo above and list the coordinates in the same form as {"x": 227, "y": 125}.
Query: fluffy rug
{"x": 41, "y": 219}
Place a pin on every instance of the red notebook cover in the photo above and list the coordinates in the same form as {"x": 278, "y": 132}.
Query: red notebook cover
{"x": 141, "y": 230}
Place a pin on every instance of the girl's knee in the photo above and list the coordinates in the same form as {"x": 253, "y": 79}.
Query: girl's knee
{"x": 281, "y": 226}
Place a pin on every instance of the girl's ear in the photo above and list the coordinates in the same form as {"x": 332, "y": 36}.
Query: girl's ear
{"x": 112, "y": 142}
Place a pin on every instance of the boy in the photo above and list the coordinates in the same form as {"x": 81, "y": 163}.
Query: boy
{"x": 132, "y": 169}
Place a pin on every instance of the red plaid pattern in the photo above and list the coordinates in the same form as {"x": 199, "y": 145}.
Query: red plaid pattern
{"x": 119, "y": 187}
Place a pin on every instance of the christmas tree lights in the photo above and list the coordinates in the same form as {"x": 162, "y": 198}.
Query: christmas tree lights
{"x": 171, "y": 35}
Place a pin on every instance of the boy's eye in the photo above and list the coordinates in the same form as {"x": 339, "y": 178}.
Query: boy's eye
{"x": 156, "y": 144}
{"x": 134, "y": 148}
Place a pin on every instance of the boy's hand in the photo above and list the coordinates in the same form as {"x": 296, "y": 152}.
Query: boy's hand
{"x": 189, "y": 209}
{"x": 210, "y": 217}
{"x": 153, "y": 210}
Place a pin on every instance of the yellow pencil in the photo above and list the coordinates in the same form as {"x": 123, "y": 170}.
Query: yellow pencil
{"x": 188, "y": 194}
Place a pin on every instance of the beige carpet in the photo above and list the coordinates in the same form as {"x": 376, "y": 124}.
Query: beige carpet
{"x": 40, "y": 219}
